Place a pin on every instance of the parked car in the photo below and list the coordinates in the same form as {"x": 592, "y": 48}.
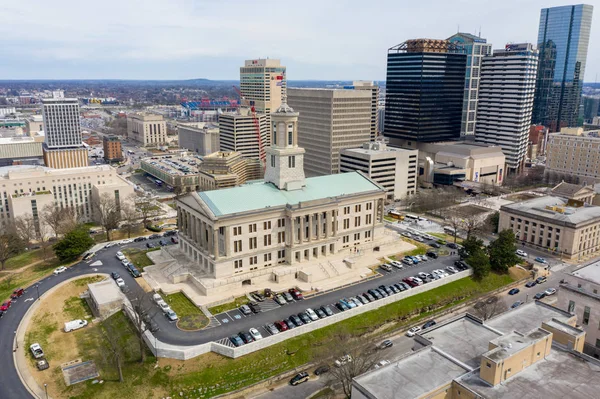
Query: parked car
{"x": 175, "y": 240}
{"x": 139, "y": 239}
{"x": 162, "y": 243}
{"x": 370, "y": 297}
{"x": 170, "y": 233}
{"x": 17, "y": 293}
{"x": 153, "y": 236}
{"x": 246, "y": 337}
{"x": 59, "y": 270}
{"x": 540, "y": 295}
{"x": 413, "y": 331}
{"x": 120, "y": 255}
{"x": 155, "y": 297}
{"x": 516, "y": 305}
{"x": 321, "y": 370}
{"x": 75, "y": 325}
{"x": 320, "y": 313}
{"x": 297, "y": 295}
{"x": 42, "y": 364}
{"x": 550, "y": 291}
{"x": 304, "y": 317}
{"x": 327, "y": 310}
{"x": 362, "y": 299}
{"x": 280, "y": 299}
{"x": 120, "y": 282}
{"x": 381, "y": 363}
{"x": 386, "y": 267}
{"x": 342, "y": 306}
{"x": 296, "y": 320}
{"x": 521, "y": 252}
{"x": 5, "y": 305}
{"x": 290, "y": 324}
{"x": 125, "y": 262}
{"x": 135, "y": 273}
{"x": 254, "y": 307}
{"x": 540, "y": 280}
{"x": 451, "y": 270}
{"x": 342, "y": 360}
{"x": 386, "y": 344}
{"x": 163, "y": 306}
{"x": 126, "y": 241}
{"x": 281, "y": 325}
{"x": 452, "y": 245}
{"x": 541, "y": 260}
{"x": 235, "y": 340}
{"x": 430, "y": 323}
{"x": 514, "y": 291}
{"x": 299, "y": 378}
{"x": 530, "y": 284}
{"x": 89, "y": 255}
{"x": 270, "y": 327}
{"x": 397, "y": 264}
{"x": 150, "y": 245}
{"x": 115, "y": 276}
{"x": 110, "y": 244}
{"x": 288, "y": 297}
{"x": 256, "y": 335}
{"x": 36, "y": 351}
{"x": 258, "y": 296}
{"x": 311, "y": 314}
{"x": 245, "y": 309}
{"x": 435, "y": 245}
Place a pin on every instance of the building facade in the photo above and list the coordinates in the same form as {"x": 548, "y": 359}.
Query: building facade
{"x": 563, "y": 40}
{"x": 330, "y": 121}
{"x": 227, "y": 169}
{"x": 287, "y": 219}
{"x": 26, "y": 190}
{"x": 424, "y": 91}
{"x": 374, "y": 89}
{"x": 200, "y": 137}
{"x": 575, "y": 153}
{"x": 569, "y": 229}
{"x": 20, "y": 151}
{"x": 476, "y": 48}
{"x": 395, "y": 169}
{"x": 237, "y": 133}
{"x": 506, "y": 94}
{"x": 112, "y": 149}
{"x": 150, "y": 130}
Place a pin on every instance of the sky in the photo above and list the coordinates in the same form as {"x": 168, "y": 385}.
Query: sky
{"x": 186, "y": 39}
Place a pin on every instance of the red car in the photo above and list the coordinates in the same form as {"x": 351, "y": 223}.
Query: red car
{"x": 281, "y": 326}
{"x": 296, "y": 294}
{"x": 410, "y": 282}
{"x": 5, "y": 306}
{"x": 17, "y": 293}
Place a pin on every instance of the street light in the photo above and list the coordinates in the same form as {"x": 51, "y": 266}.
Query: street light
{"x": 16, "y": 341}
{"x": 46, "y": 389}
{"x": 37, "y": 287}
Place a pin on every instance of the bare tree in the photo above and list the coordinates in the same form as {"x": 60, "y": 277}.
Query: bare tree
{"x": 472, "y": 224}
{"x": 115, "y": 351}
{"x": 130, "y": 216}
{"x": 143, "y": 312}
{"x": 70, "y": 219}
{"x": 489, "y": 307}
{"x": 25, "y": 227}
{"x": 107, "y": 212}
{"x": 454, "y": 219}
{"x": 355, "y": 358}
{"x": 10, "y": 245}
{"x": 146, "y": 208}
{"x": 52, "y": 216}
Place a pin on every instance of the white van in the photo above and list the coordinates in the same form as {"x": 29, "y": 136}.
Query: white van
{"x": 75, "y": 325}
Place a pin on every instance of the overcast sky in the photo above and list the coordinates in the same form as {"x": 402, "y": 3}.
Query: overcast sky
{"x": 184, "y": 39}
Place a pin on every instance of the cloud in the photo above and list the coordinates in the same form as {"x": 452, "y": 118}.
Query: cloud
{"x": 335, "y": 39}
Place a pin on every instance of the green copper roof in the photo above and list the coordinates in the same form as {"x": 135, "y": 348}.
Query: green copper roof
{"x": 262, "y": 195}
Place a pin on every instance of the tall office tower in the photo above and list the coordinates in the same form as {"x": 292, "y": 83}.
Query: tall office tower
{"x": 237, "y": 132}
{"x": 506, "y": 94}
{"x": 563, "y": 39}
{"x": 424, "y": 91}
{"x": 330, "y": 121}
{"x": 262, "y": 82}
{"x": 476, "y": 48}
{"x": 63, "y": 147}
{"x": 374, "y": 89}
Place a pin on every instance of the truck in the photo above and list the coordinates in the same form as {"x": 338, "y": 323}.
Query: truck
{"x": 36, "y": 351}
{"x": 75, "y": 325}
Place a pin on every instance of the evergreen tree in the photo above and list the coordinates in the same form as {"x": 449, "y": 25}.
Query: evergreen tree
{"x": 502, "y": 252}
{"x": 73, "y": 244}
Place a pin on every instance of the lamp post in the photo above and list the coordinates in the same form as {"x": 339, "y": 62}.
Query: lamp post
{"x": 37, "y": 287}
{"x": 16, "y": 341}
{"x": 46, "y": 389}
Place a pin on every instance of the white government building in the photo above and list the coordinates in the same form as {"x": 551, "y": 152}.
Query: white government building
{"x": 286, "y": 219}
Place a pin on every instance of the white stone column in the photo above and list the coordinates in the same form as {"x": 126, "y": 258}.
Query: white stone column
{"x": 301, "y": 235}
{"x": 328, "y": 224}
{"x": 227, "y": 240}
{"x": 310, "y": 227}
{"x": 215, "y": 239}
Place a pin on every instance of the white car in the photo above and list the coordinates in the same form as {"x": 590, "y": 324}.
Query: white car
{"x": 110, "y": 244}
{"x": 343, "y": 360}
{"x": 163, "y": 306}
{"x": 125, "y": 262}
{"x": 157, "y": 298}
{"x": 413, "y": 331}
{"x": 126, "y": 241}
{"x": 36, "y": 350}
{"x": 521, "y": 252}
{"x": 381, "y": 363}
{"x": 120, "y": 255}
{"x": 120, "y": 282}
{"x": 397, "y": 264}
{"x": 255, "y": 334}
{"x": 550, "y": 291}
{"x": 310, "y": 313}
{"x": 59, "y": 270}
{"x": 172, "y": 316}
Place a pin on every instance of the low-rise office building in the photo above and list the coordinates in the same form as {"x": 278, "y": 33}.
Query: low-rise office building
{"x": 112, "y": 149}
{"x": 395, "y": 169}
{"x": 579, "y": 293}
{"x": 178, "y": 171}
{"x": 569, "y": 228}
{"x": 21, "y": 150}
{"x": 574, "y": 152}
{"x": 238, "y": 132}
{"x": 534, "y": 350}
{"x": 150, "y": 130}
{"x": 200, "y": 137}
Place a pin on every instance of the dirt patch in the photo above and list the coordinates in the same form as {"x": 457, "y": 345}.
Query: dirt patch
{"x": 520, "y": 197}
{"x": 470, "y": 210}
{"x": 145, "y": 286}
{"x": 517, "y": 273}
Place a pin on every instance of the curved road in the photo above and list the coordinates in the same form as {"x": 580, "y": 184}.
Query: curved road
{"x": 12, "y": 387}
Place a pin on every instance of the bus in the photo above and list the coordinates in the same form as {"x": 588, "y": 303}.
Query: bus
{"x": 395, "y": 215}
{"x": 411, "y": 217}
{"x": 158, "y": 183}
{"x": 130, "y": 152}
{"x": 449, "y": 230}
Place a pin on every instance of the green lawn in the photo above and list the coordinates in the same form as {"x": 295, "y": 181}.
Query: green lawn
{"x": 26, "y": 258}
{"x": 11, "y": 282}
{"x": 190, "y": 316}
{"x": 138, "y": 256}
{"x": 242, "y": 300}
{"x": 447, "y": 237}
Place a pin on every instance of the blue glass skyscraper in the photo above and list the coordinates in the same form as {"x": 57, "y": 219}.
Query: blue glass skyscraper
{"x": 563, "y": 39}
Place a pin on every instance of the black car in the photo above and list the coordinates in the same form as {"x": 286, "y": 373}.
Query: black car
{"x": 375, "y": 293}
{"x": 432, "y": 255}
{"x": 434, "y": 245}
{"x": 237, "y": 341}
{"x": 383, "y": 293}
{"x": 289, "y": 323}
{"x": 162, "y": 243}
{"x": 540, "y": 295}
{"x": 135, "y": 273}
{"x": 115, "y": 275}
{"x": 321, "y": 370}
{"x": 246, "y": 337}
{"x": 153, "y": 236}
{"x": 139, "y": 239}
{"x": 304, "y": 317}
{"x": 399, "y": 287}
{"x": 530, "y": 284}
{"x": 170, "y": 233}
{"x": 150, "y": 245}
{"x": 254, "y": 307}
{"x": 394, "y": 288}
{"x": 258, "y": 296}
{"x": 320, "y": 313}
{"x": 370, "y": 297}
{"x": 296, "y": 320}
{"x": 386, "y": 344}
{"x": 327, "y": 310}
{"x": 452, "y": 245}
{"x": 299, "y": 378}
{"x": 514, "y": 291}
{"x": 1, "y": 314}
{"x": 341, "y": 306}
{"x": 430, "y": 323}
{"x": 174, "y": 240}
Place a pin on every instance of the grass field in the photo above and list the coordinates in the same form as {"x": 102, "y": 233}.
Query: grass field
{"x": 236, "y": 303}
{"x": 190, "y": 317}
{"x": 12, "y": 281}
{"x": 138, "y": 256}
{"x": 26, "y": 258}
{"x": 447, "y": 237}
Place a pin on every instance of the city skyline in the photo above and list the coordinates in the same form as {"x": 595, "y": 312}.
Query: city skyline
{"x": 186, "y": 40}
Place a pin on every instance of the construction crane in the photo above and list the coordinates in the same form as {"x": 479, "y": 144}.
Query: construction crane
{"x": 261, "y": 150}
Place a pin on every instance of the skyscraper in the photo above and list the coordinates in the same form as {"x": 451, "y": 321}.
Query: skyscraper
{"x": 261, "y": 83}
{"x": 424, "y": 91}
{"x": 506, "y": 93}
{"x": 476, "y": 48}
{"x": 563, "y": 39}
{"x": 374, "y": 89}
{"x": 63, "y": 146}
